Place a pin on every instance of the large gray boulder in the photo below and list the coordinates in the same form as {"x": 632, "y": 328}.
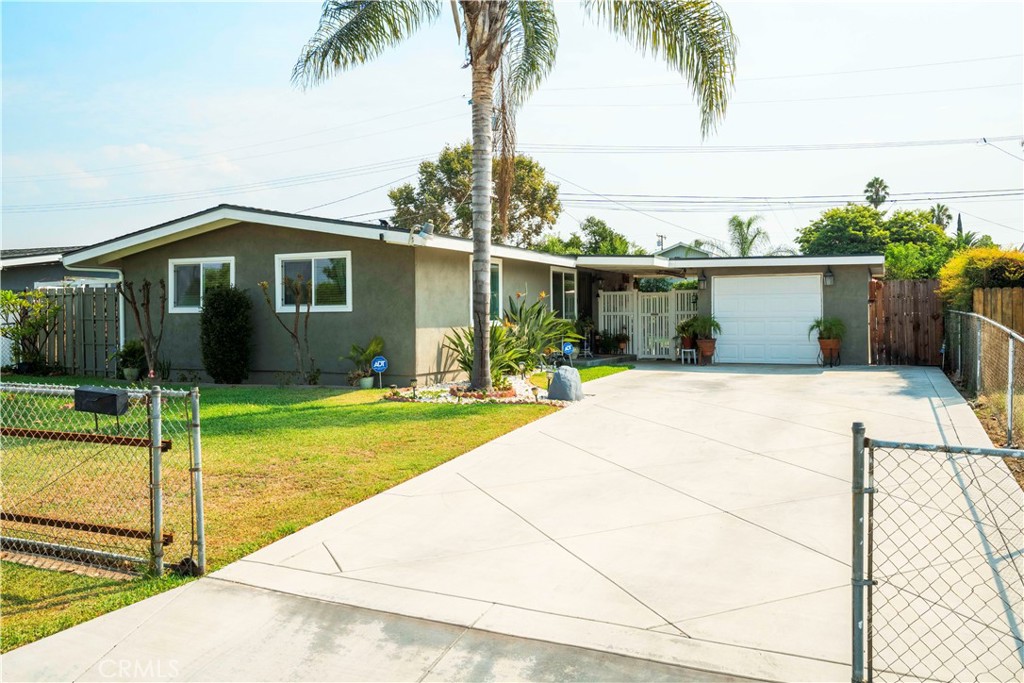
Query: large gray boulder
{"x": 566, "y": 385}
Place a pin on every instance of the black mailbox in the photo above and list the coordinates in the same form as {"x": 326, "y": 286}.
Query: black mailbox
{"x": 101, "y": 400}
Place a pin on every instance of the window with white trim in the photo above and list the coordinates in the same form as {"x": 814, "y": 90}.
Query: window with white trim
{"x": 496, "y": 301}
{"x": 563, "y": 292}
{"x": 324, "y": 276}
{"x": 190, "y": 278}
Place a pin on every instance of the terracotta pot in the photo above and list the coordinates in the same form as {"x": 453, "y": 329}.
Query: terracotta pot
{"x": 707, "y": 348}
{"x": 829, "y": 348}
{"x": 688, "y": 342}
{"x": 622, "y": 346}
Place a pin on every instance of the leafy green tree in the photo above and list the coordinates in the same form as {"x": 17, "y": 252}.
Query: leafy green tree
{"x": 694, "y": 37}
{"x": 442, "y": 192}
{"x": 851, "y": 229}
{"x": 29, "y": 320}
{"x": 876, "y": 192}
{"x": 595, "y": 237}
{"x": 914, "y": 226}
{"x": 941, "y": 216}
{"x": 909, "y": 261}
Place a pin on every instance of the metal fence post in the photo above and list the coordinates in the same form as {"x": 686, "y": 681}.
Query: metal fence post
{"x": 1009, "y": 392}
{"x": 977, "y": 375}
{"x": 197, "y": 478}
{"x": 155, "y": 484}
{"x": 858, "y": 580}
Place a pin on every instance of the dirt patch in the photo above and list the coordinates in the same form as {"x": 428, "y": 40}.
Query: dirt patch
{"x": 996, "y": 430}
{"x": 57, "y": 565}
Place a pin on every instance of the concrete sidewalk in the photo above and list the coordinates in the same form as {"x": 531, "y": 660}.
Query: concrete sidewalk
{"x": 690, "y": 518}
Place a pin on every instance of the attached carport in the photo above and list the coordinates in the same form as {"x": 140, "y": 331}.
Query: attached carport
{"x": 765, "y": 304}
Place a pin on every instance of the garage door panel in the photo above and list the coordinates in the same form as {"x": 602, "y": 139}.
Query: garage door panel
{"x": 765, "y": 318}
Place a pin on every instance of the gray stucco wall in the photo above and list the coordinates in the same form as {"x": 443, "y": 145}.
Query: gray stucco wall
{"x": 846, "y": 299}
{"x": 383, "y": 301}
{"x": 524, "y": 276}
{"x": 442, "y": 303}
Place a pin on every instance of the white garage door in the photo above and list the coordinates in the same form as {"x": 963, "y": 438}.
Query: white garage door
{"x": 765, "y": 318}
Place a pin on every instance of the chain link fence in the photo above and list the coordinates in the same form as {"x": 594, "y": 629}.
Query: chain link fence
{"x": 103, "y": 477}
{"x": 986, "y": 361}
{"x": 938, "y": 562}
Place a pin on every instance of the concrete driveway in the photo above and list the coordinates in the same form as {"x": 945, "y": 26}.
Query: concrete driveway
{"x": 696, "y": 520}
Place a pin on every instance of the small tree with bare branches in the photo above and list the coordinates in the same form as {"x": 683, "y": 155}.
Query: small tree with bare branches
{"x": 302, "y": 293}
{"x": 141, "y": 307}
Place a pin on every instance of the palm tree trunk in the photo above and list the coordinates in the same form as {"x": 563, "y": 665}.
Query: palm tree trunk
{"x": 483, "y": 140}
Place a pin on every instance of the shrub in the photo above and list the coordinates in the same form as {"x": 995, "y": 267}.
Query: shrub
{"x": 132, "y": 355}
{"x": 31, "y": 318}
{"x": 225, "y": 334}
{"x": 362, "y": 356}
{"x": 980, "y": 267}
{"x": 506, "y": 352}
{"x": 537, "y": 329}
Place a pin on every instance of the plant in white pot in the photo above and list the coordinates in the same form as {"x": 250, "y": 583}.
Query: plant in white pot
{"x": 131, "y": 359}
{"x": 361, "y": 357}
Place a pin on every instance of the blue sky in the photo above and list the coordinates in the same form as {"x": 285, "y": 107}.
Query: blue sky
{"x": 171, "y": 108}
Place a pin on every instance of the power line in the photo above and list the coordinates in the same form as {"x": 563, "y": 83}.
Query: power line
{"x": 1009, "y": 154}
{"x": 804, "y": 75}
{"x": 791, "y": 101}
{"x": 569, "y": 148}
{"x": 357, "y": 194}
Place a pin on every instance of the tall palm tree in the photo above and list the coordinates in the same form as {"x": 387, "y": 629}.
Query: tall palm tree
{"x": 694, "y": 36}
{"x": 941, "y": 215}
{"x": 876, "y": 192}
{"x": 748, "y": 238}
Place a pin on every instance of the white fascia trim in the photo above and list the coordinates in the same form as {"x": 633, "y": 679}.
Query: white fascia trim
{"x": 230, "y": 216}
{"x": 171, "y": 308}
{"x": 30, "y": 260}
{"x": 695, "y": 263}
{"x": 279, "y": 305}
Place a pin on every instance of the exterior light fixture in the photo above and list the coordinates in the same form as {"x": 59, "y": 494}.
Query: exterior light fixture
{"x": 830, "y": 278}
{"x": 600, "y": 283}
{"x": 536, "y": 392}
{"x": 702, "y": 281}
{"x": 412, "y": 383}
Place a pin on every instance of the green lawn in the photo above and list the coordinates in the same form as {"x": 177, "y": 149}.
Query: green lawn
{"x": 274, "y": 460}
{"x": 586, "y": 374}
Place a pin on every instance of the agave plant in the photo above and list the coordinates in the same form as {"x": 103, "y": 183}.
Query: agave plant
{"x": 506, "y": 353}
{"x": 537, "y": 329}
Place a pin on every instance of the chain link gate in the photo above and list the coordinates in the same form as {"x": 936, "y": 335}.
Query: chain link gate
{"x": 938, "y": 562}
{"x": 103, "y": 477}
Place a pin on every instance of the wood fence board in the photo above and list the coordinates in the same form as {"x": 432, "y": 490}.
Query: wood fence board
{"x": 1005, "y": 305}
{"x": 906, "y": 323}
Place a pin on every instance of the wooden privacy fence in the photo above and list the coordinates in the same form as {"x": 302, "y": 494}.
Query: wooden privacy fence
{"x": 87, "y": 332}
{"x": 906, "y": 322}
{"x": 1005, "y": 305}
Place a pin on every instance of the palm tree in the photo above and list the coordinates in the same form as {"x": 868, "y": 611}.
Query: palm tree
{"x": 876, "y": 192}
{"x": 694, "y": 36}
{"x": 746, "y": 238}
{"x": 941, "y": 215}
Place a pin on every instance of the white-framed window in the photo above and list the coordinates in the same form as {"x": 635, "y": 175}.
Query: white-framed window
{"x": 563, "y": 292}
{"x": 325, "y": 276}
{"x": 190, "y": 278}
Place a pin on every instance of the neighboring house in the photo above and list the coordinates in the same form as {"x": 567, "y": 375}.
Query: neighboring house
{"x": 413, "y": 289}
{"x": 683, "y": 250}
{"x": 368, "y": 280}
{"x": 22, "y": 269}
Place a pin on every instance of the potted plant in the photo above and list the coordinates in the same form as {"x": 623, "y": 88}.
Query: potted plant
{"x": 684, "y": 334}
{"x": 131, "y": 359}
{"x": 830, "y": 336}
{"x": 704, "y": 328}
{"x": 622, "y": 340}
{"x": 361, "y": 357}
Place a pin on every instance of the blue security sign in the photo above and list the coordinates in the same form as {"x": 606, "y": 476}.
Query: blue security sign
{"x": 568, "y": 348}
{"x": 379, "y": 364}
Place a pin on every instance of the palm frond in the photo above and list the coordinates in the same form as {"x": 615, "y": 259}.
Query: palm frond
{"x": 353, "y": 33}
{"x": 531, "y": 43}
{"x": 694, "y": 36}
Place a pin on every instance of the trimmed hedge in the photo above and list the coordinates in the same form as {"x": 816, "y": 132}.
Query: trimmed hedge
{"x": 225, "y": 334}
{"x": 979, "y": 267}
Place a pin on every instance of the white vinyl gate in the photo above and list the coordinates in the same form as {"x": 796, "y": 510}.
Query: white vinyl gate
{"x": 649, "y": 318}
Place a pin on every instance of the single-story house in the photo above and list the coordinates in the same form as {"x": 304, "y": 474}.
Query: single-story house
{"x": 42, "y": 267}
{"x": 413, "y": 288}
{"x": 683, "y": 250}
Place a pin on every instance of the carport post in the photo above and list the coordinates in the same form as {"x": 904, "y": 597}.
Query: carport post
{"x": 1009, "y": 393}
{"x": 858, "y": 580}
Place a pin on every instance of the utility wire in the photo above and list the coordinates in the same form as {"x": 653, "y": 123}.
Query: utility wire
{"x": 357, "y": 194}
{"x": 1009, "y": 154}
{"x": 804, "y": 75}
{"x": 805, "y": 99}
